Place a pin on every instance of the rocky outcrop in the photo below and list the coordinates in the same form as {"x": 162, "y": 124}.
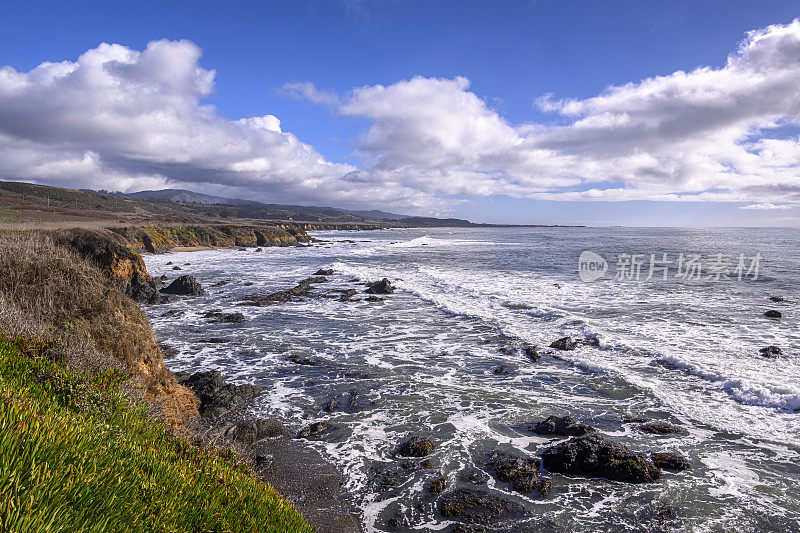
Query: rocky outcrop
{"x": 773, "y": 314}
{"x": 299, "y": 290}
{"x": 521, "y": 472}
{"x": 658, "y": 428}
{"x": 216, "y": 396}
{"x": 596, "y": 456}
{"x": 565, "y": 344}
{"x": 383, "y": 286}
{"x": 416, "y": 446}
{"x": 771, "y": 351}
{"x": 117, "y": 261}
{"x": 670, "y": 461}
{"x": 184, "y": 286}
{"x": 562, "y": 426}
{"x": 478, "y": 507}
{"x": 315, "y": 430}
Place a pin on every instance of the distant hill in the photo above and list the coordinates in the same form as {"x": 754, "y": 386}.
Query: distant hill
{"x": 184, "y": 196}
{"x": 380, "y": 215}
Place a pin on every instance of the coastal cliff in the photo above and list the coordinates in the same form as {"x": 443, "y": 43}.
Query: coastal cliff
{"x": 162, "y": 238}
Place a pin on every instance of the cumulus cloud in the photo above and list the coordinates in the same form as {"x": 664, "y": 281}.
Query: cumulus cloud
{"x": 127, "y": 119}
{"x": 703, "y": 135}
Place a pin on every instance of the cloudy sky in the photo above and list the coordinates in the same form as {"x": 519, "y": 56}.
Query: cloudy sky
{"x": 633, "y": 113}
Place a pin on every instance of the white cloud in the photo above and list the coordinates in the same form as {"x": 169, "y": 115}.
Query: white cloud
{"x": 122, "y": 119}
{"x": 127, "y": 119}
{"x": 767, "y": 206}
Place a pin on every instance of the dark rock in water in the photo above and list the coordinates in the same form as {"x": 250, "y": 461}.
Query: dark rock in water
{"x": 658, "y": 428}
{"x": 169, "y": 263}
{"x": 591, "y": 341}
{"x": 224, "y": 318}
{"x": 352, "y": 399}
{"x": 416, "y": 446}
{"x": 216, "y": 396}
{"x": 380, "y": 287}
{"x": 521, "y": 472}
{"x": 502, "y": 369}
{"x": 301, "y": 289}
{"x": 172, "y": 313}
{"x": 478, "y": 507}
{"x": 259, "y": 250}
{"x": 773, "y": 314}
{"x": 531, "y": 352}
{"x": 299, "y": 360}
{"x": 563, "y": 426}
{"x": 314, "y": 430}
{"x": 184, "y": 286}
{"x": 384, "y": 477}
{"x": 670, "y": 461}
{"x": 324, "y": 272}
{"x": 241, "y": 250}
{"x": 373, "y": 299}
{"x": 220, "y": 283}
{"x": 176, "y": 268}
{"x": 564, "y": 343}
{"x": 252, "y": 431}
{"x": 777, "y": 298}
{"x": 346, "y": 294}
{"x": 215, "y": 340}
{"x": 315, "y": 279}
{"x": 163, "y": 277}
{"x": 506, "y": 349}
{"x": 332, "y": 404}
{"x": 771, "y": 351}
{"x": 437, "y": 486}
{"x": 595, "y": 456}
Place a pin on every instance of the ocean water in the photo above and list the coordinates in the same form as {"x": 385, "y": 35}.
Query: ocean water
{"x": 682, "y": 351}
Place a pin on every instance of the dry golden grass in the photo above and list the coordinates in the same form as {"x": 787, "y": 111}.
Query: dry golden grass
{"x": 48, "y": 289}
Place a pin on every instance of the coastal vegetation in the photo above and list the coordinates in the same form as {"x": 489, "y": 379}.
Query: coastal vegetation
{"x": 92, "y": 424}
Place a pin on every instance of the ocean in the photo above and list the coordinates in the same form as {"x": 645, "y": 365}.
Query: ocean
{"x": 443, "y": 357}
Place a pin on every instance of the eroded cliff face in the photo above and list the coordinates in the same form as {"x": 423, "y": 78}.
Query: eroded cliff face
{"x": 156, "y": 239}
{"x": 116, "y": 324}
{"x": 114, "y": 257}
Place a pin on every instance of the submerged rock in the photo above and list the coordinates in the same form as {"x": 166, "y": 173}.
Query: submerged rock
{"x": 564, "y": 343}
{"x": 437, "y": 486}
{"x": 658, "y": 428}
{"x": 324, "y": 272}
{"x": 531, "y": 352}
{"x": 314, "y": 430}
{"x": 299, "y": 290}
{"x": 521, "y": 472}
{"x": 595, "y": 456}
{"x": 225, "y": 318}
{"x": 563, "y": 426}
{"x": 416, "y": 446}
{"x": 251, "y": 431}
{"x": 373, "y": 299}
{"x": 216, "y": 396}
{"x": 777, "y": 298}
{"x": 478, "y": 507}
{"x": 184, "y": 286}
{"x": 670, "y": 461}
{"x": 771, "y": 351}
{"x": 773, "y": 314}
{"x": 383, "y": 286}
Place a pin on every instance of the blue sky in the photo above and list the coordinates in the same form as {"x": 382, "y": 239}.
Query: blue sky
{"x": 511, "y": 53}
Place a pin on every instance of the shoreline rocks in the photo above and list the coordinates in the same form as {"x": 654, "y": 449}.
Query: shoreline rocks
{"x": 416, "y": 446}
{"x": 562, "y": 426}
{"x": 595, "y": 456}
{"x": 670, "y": 461}
{"x": 215, "y": 394}
{"x": 771, "y": 351}
{"x": 184, "y": 286}
{"x": 521, "y": 472}
{"x": 383, "y": 286}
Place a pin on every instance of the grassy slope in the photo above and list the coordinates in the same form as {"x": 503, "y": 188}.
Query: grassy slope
{"x": 76, "y": 456}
